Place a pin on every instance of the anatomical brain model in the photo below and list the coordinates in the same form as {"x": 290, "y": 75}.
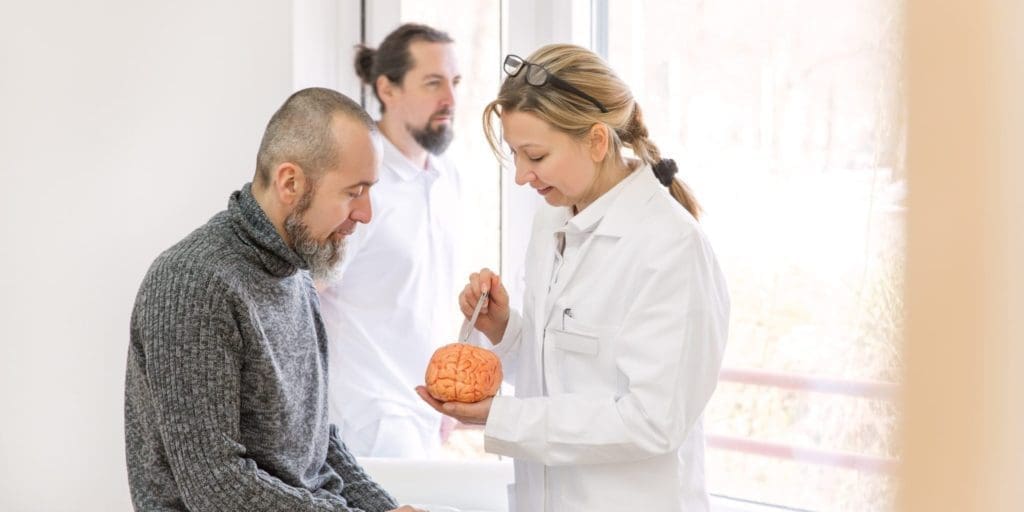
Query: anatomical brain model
{"x": 461, "y": 372}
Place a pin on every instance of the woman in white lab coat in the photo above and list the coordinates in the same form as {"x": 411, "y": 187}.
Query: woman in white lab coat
{"x": 619, "y": 344}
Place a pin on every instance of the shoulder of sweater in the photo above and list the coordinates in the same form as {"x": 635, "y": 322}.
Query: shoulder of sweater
{"x": 203, "y": 259}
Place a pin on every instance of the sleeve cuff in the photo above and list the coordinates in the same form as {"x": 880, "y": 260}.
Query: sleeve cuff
{"x": 499, "y": 431}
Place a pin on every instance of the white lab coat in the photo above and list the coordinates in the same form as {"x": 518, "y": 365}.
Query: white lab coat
{"x": 392, "y": 307}
{"x": 607, "y": 410}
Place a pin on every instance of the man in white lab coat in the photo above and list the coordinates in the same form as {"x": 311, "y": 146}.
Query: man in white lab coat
{"x": 393, "y": 299}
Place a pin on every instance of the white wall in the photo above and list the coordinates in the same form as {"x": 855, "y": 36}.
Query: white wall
{"x": 124, "y": 124}
{"x": 325, "y": 34}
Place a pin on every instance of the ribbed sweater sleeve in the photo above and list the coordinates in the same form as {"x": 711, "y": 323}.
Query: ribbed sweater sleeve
{"x": 360, "y": 490}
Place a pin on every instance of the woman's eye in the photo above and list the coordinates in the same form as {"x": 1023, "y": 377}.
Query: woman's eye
{"x": 536, "y": 159}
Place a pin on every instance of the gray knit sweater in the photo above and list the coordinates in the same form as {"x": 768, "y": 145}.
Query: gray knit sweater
{"x": 226, "y": 389}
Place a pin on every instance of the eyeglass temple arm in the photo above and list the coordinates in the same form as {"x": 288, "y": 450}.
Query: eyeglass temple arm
{"x": 566, "y": 86}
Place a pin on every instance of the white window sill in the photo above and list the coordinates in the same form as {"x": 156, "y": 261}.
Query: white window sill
{"x": 444, "y": 482}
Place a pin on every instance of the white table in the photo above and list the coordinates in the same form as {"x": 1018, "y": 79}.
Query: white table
{"x": 468, "y": 486}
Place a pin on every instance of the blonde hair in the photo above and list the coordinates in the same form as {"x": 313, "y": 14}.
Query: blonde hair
{"x": 575, "y": 116}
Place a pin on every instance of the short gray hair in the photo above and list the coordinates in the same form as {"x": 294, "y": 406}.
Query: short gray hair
{"x": 300, "y": 132}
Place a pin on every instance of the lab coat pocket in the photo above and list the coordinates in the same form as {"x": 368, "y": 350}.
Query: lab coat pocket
{"x": 577, "y": 360}
{"x": 574, "y": 361}
{"x": 578, "y": 342}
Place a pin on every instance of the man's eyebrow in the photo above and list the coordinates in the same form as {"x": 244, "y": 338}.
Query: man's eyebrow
{"x": 364, "y": 184}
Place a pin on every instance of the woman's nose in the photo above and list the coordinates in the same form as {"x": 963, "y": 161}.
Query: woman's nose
{"x": 523, "y": 176}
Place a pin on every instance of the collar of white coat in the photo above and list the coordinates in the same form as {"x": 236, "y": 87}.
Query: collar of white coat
{"x": 617, "y": 211}
{"x": 403, "y": 167}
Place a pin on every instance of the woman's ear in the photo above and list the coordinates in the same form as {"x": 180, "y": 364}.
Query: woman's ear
{"x": 599, "y": 142}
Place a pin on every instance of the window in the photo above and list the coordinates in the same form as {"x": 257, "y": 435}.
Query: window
{"x": 476, "y": 31}
{"x": 786, "y": 120}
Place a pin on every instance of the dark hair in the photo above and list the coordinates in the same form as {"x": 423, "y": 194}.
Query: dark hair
{"x": 392, "y": 58}
{"x": 300, "y": 132}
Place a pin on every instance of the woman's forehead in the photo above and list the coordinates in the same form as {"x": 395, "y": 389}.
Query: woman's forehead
{"x": 525, "y": 129}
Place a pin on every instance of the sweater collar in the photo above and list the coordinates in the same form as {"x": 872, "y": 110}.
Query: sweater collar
{"x": 255, "y": 229}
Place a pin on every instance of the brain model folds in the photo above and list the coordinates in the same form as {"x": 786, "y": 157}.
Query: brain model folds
{"x": 461, "y": 372}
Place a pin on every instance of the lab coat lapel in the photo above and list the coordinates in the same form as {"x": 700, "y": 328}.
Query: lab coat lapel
{"x": 565, "y": 278}
{"x": 545, "y": 255}
{"x": 626, "y": 211}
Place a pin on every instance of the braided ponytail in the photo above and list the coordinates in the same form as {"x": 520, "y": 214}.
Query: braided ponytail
{"x": 635, "y": 135}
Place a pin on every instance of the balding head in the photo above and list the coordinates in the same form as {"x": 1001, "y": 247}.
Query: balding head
{"x": 316, "y": 164}
{"x": 302, "y": 132}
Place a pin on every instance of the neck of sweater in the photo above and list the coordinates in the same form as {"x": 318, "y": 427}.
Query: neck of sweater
{"x": 255, "y": 230}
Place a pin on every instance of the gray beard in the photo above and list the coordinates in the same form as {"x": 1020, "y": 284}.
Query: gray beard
{"x": 321, "y": 256}
{"x": 434, "y": 140}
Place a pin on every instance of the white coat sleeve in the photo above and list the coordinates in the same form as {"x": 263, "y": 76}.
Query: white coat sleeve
{"x": 508, "y": 348}
{"x": 511, "y": 343}
{"x": 669, "y": 350}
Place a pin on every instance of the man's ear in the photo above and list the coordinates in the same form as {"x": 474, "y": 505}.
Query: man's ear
{"x": 599, "y": 141}
{"x": 289, "y": 182}
{"x": 387, "y": 90}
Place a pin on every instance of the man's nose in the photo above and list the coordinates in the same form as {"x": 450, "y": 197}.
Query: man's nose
{"x": 448, "y": 98}
{"x": 362, "y": 210}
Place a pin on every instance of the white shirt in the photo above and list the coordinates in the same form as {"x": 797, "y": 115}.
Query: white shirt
{"x": 608, "y": 405}
{"x": 392, "y": 306}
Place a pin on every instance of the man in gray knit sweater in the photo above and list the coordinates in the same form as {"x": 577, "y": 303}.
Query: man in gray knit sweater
{"x": 226, "y": 389}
